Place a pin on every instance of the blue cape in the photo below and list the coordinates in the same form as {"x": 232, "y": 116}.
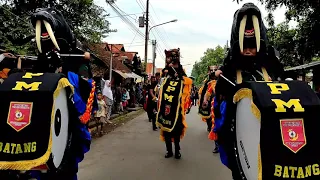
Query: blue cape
{"x": 218, "y": 123}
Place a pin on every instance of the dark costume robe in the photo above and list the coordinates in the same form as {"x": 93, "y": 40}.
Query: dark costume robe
{"x": 179, "y": 128}
{"x": 238, "y": 68}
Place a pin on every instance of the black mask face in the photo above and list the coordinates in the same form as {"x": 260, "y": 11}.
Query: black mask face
{"x": 212, "y": 73}
{"x": 212, "y": 76}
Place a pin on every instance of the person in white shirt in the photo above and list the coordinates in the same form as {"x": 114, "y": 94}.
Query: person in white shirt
{"x": 108, "y": 98}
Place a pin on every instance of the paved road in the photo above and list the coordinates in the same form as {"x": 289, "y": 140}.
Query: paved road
{"x": 134, "y": 152}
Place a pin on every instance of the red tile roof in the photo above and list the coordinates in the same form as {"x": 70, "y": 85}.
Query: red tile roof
{"x": 116, "y": 48}
{"x": 149, "y": 68}
{"x": 105, "y": 56}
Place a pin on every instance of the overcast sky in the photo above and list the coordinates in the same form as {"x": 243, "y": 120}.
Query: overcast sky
{"x": 201, "y": 24}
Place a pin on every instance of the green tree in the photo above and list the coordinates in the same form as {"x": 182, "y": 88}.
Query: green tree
{"x": 87, "y": 20}
{"x": 212, "y": 56}
{"x": 284, "y": 39}
{"x": 13, "y": 28}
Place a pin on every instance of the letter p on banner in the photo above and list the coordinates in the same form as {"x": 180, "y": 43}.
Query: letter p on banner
{"x": 276, "y": 88}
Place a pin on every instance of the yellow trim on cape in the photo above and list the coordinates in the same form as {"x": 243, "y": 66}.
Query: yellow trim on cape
{"x": 199, "y": 94}
{"x": 177, "y": 112}
{"x": 187, "y": 82}
{"x": 213, "y": 85}
{"x": 159, "y": 101}
{"x": 259, "y": 164}
{"x": 247, "y": 93}
{"x": 204, "y": 118}
{"x": 29, "y": 164}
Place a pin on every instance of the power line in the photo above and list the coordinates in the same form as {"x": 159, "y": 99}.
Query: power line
{"x": 141, "y": 7}
{"x": 137, "y": 45}
{"x": 165, "y": 33}
{"x": 131, "y": 25}
{"x": 152, "y": 21}
{"x": 126, "y": 20}
{"x": 124, "y": 15}
{"x": 142, "y": 4}
{"x": 159, "y": 34}
{"x": 136, "y": 42}
{"x": 160, "y": 50}
{"x": 132, "y": 40}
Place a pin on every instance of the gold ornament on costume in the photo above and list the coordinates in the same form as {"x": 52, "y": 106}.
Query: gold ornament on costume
{"x": 293, "y": 135}
{"x": 18, "y": 115}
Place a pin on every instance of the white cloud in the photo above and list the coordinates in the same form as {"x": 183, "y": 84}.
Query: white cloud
{"x": 201, "y": 24}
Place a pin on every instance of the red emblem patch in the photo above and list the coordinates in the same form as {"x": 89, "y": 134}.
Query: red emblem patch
{"x": 167, "y": 110}
{"x": 19, "y": 115}
{"x": 293, "y": 134}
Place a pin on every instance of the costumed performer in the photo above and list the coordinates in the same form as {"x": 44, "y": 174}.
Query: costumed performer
{"x": 247, "y": 60}
{"x": 209, "y": 101}
{"x": 174, "y": 92}
{"x": 205, "y": 110}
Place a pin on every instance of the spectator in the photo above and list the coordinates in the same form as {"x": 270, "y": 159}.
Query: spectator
{"x": 151, "y": 104}
{"x": 100, "y": 114}
{"x": 118, "y": 98}
{"x": 128, "y": 97}
{"x": 196, "y": 96}
{"x": 158, "y": 76}
{"x": 124, "y": 98}
{"x": 192, "y": 97}
{"x": 108, "y": 98}
{"x": 139, "y": 94}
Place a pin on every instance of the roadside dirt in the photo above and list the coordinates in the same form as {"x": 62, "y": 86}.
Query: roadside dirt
{"x": 116, "y": 122}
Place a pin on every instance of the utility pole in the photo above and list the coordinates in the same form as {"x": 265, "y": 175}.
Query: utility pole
{"x": 154, "y": 46}
{"x": 147, "y": 36}
{"x": 110, "y": 68}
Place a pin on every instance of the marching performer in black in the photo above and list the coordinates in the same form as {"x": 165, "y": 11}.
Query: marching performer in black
{"x": 174, "y": 91}
{"x": 247, "y": 60}
{"x": 208, "y": 102}
{"x": 206, "y": 97}
{"x": 152, "y": 99}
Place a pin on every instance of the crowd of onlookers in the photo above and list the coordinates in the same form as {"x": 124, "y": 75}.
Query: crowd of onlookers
{"x": 116, "y": 99}
{"x": 119, "y": 98}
